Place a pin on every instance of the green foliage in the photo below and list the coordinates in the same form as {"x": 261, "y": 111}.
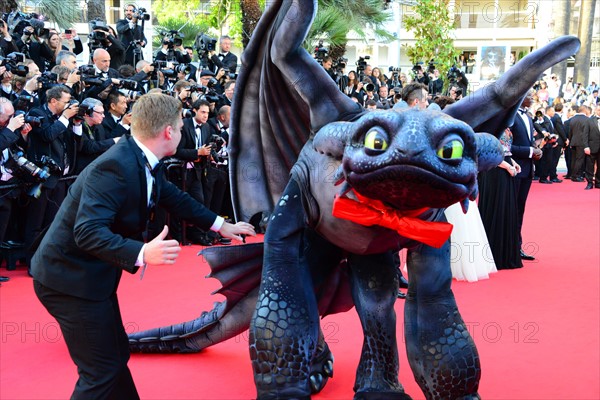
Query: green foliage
{"x": 63, "y": 13}
{"x": 336, "y": 18}
{"x": 189, "y": 17}
{"x": 432, "y": 26}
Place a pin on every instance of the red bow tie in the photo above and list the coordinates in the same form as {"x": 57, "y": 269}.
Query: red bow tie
{"x": 369, "y": 212}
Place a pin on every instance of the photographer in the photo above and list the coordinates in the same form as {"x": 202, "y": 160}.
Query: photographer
{"x": 436, "y": 83}
{"x": 9, "y": 141}
{"x": 57, "y": 140}
{"x": 225, "y": 59}
{"x": 172, "y": 50}
{"x": 327, "y": 64}
{"x": 93, "y": 139}
{"x": 7, "y": 44}
{"x": 227, "y": 97}
{"x": 104, "y": 36}
{"x": 547, "y": 142}
{"x": 420, "y": 76}
{"x": 131, "y": 34}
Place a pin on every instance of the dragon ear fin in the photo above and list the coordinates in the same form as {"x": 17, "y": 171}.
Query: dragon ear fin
{"x": 465, "y": 205}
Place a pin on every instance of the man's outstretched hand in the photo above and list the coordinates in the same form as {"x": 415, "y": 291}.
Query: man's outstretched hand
{"x": 233, "y": 231}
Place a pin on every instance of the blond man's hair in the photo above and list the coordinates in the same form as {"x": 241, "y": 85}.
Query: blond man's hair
{"x": 152, "y": 113}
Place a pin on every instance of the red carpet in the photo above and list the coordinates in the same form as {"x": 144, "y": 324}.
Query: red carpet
{"x": 537, "y": 329}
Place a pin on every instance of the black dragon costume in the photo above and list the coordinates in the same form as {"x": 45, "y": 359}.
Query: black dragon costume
{"x": 341, "y": 190}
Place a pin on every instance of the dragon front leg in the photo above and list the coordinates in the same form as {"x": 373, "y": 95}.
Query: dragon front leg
{"x": 374, "y": 289}
{"x": 285, "y": 327}
{"x": 441, "y": 352}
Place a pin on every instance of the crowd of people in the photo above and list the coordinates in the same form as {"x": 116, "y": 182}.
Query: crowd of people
{"x": 57, "y": 117}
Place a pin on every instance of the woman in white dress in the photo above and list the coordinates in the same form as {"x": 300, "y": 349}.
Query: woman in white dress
{"x": 471, "y": 258}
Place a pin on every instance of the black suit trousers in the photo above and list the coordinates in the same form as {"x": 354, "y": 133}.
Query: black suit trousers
{"x": 577, "y": 161}
{"x": 97, "y": 343}
{"x": 522, "y": 186}
{"x": 591, "y": 161}
{"x": 41, "y": 213}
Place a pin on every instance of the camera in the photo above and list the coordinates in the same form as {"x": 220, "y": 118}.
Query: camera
{"x": 320, "y": 52}
{"x": 203, "y": 45}
{"x": 216, "y": 143}
{"x": 35, "y": 122}
{"x": 187, "y": 113}
{"x": 361, "y": 64}
{"x": 131, "y": 95}
{"x": 98, "y": 37}
{"x": 30, "y": 172}
{"x": 369, "y": 87}
{"x": 141, "y": 14}
{"x": 48, "y": 80}
{"x": 172, "y": 38}
{"x": 128, "y": 84}
{"x": 11, "y": 62}
{"x": 83, "y": 111}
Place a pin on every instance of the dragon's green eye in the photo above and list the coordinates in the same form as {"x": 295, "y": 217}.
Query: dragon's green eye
{"x": 376, "y": 140}
{"x": 451, "y": 151}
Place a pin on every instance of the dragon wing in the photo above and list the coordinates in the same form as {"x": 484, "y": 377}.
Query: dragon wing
{"x": 282, "y": 95}
{"x": 493, "y": 107}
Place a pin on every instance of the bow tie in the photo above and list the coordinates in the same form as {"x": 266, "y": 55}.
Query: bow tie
{"x": 521, "y": 111}
{"x": 198, "y": 127}
{"x": 369, "y": 212}
{"x": 221, "y": 55}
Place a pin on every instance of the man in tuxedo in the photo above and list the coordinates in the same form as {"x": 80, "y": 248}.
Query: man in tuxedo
{"x": 227, "y": 97}
{"x": 131, "y": 35}
{"x": 58, "y": 139}
{"x": 592, "y": 150}
{"x": 100, "y": 232}
{"x": 559, "y": 129}
{"x": 545, "y": 130}
{"x": 524, "y": 153}
{"x": 579, "y": 133}
{"x": 117, "y": 120}
{"x": 225, "y": 59}
{"x": 194, "y": 150}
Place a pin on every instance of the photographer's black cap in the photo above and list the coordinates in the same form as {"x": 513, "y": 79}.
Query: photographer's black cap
{"x": 206, "y": 72}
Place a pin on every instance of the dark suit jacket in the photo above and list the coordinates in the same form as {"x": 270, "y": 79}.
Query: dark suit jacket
{"x": 97, "y": 232}
{"x": 521, "y": 146}
{"x": 111, "y": 128}
{"x": 93, "y": 144}
{"x": 559, "y": 129}
{"x": 229, "y": 61}
{"x": 594, "y": 137}
{"x": 579, "y": 131}
{"x": 52, "y": 139}
{"x": 187, "y": 150}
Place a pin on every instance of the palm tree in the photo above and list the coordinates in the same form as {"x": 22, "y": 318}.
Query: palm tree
{"x": 7, "y": 6}
{"x": 586, "y": 27}
{"x": 561, "y": 11}
{"x": 251, "y": 13}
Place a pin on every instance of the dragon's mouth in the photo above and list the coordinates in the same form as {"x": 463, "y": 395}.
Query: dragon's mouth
{"x": 409, "y": 187}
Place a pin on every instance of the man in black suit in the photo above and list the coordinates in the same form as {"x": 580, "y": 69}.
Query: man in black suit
{"x": 563, "y": 141}
{"x": 225, "y": 59}
{"x": 131, "y": 35}
{"x": 579, "y": 132}
{"x": 117, "y": 120}
{"x": 592, "y": 150}
{"x": 99, "y": 233}
{"x": 549, "y": 142}
{"x": 194, "y": 150}
{"x": 524, "y": 152}
{"x": 57, "y": 138}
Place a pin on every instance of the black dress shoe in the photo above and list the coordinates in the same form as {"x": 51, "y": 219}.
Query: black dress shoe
{"x": 204, "y": 241}
{"x": 545, "y": 181}
{"x": 4, "y": 279}
{"x": 403, "y": 283}
{"x": 525, "y": 256}
{"x": 401, "y": 295}
{"x": 223, "y": 240}
{"x": 536, "y": 178}
{"x": 577, "y": 179}
{"x": 567, "y": 176}
{"x": 556, "y": 180}
{"x": 589, "y": 186}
